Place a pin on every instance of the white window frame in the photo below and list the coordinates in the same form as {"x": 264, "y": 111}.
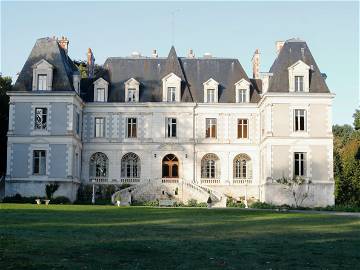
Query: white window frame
{"x": 211, "y": 122}
{"x": 99, "y": 127}
{"x": 299, "y": 83}
{"x": 299, "y": 69}
{"x": 171, "y": 80}
{"x": 42, "y": 118}
{"x": 132, "y": 85}
{"x": 298, "y": 113}
{"x": 301, "y": 164}
{"x": 41, "y": 161}
{"x": 242, "y": 128}
{"x": 100, "y": 94}
{"x": 171, "y": 94}
{"x": 239, "y": 86}
{"x": 213, "y": 86}
{"x": 168, "y": 127}
{"x": 42, "y": 68}
{"x": 101, "y": 84}
{"x": 129, "y": 127}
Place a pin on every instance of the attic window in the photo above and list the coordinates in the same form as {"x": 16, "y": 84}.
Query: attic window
{"x": 242, "y": 91}
{"x": 171, "y": 88}
{"x": 101, "y": 90}
{"x": 299, "y": 77}
{"x": 299, "y": 83}
{"x": 211, "y": 91}
{"x": 42, "y": 82}
{"x": 132, "y": 90}
{"x": 42, "y": 76}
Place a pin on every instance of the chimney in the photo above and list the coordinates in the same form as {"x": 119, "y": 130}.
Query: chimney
{"x": 64, "y": 43}
{"x": 90, "y": 63}
{"x": 191, "y": 54}
{"x": 154, "y": 54}
{"x": 256, "y": 64}
{"x": 279, "y": 45}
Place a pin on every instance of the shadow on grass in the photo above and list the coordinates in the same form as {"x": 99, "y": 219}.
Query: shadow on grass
{"x": 102, "y": 237}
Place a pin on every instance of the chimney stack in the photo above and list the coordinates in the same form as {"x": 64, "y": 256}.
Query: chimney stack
{"x": 256, "y": 64}
{"x": 191, "y": 54}
{"x": 279, "y": 45}
{"x": 154, "y": 54}
{"x": 64, "y": 43}
{"x": 90, "y": 63}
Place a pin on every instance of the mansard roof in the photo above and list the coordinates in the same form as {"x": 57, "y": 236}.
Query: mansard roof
{"x": 192, "y": 71}
{"x": 49, "y": 50}
{"x": 293, "y": 51}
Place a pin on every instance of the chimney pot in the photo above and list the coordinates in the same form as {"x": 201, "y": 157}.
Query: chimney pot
{"x": 191, "y": 54}
{"x": 64, "y": 43}
{"x": 154, "y": 53}
{"x": 256, "y": 64}
{"x": 279, "y": 45}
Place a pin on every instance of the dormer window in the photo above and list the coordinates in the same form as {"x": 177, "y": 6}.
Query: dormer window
{"x": 299, "y": 77}
{"x": 242, "y": 91}
{"x": 211, "y": 91}
{"x": 100, "y": 94}
{"x": 299, "y": 83}
{"x": 241, "y": 95}
{"x": 42, "y": 82}
{"x": 132, "y": 90}
{"x": 171, "y": 88}
{"x": 42, "y": 76}
{"x": 101, "y": 90}
{"x": 171, "y": 94}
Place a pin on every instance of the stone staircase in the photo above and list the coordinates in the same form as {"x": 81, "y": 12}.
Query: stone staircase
{"x": 155, "y": 189}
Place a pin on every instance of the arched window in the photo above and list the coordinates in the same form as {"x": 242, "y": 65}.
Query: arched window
{"x": 130, "y": 166}
{"x": 210, "y": 166}
{"x": 99, "y": 165}
{"x": 170, "y": 166}
{"x": 242, "y": 167}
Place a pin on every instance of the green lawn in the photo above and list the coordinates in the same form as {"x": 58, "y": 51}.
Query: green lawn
{"x": 105, "y": 237}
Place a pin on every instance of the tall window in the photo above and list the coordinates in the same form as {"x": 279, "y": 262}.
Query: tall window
{"x": 131, "y": 95}
{"x": 210, "y": 94}
{"x": 100, "y": 94}
{"x": 40, "y": 118}
{"x": 77, "y": 123}
{"x": 210, "y": 127}
{"x": 39, "y": 162}
{"x": 99, "y": 127}
{"x": 299, "y": 164}
{"x": 242, "y": 129}
{"x": 299, "y": 120}
{"x": 242, "y": 95}
{"x": 171, "y": 94}
{"x": 242, "y": 166}
{"x": 130, "y": 166}
{"x": 299, "y": 83}
{"x": 99, "y": 165}
{"x": 42, "y": 81}
{"x": 131, "y": 128}
{"x": 210, "y": 167}
{"x": 171, "y": 127}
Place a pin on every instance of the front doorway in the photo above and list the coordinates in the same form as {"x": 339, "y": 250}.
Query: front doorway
{"x": 170, "y": 166}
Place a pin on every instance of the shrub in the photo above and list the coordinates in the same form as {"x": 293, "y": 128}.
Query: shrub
{"x": 17, "y": 198}
{"x": 192, "y": 203}
{"x": 50, "y": 190}
{"x": 263, "y": 205}
{"x": 145, "y": 203}
{"x": 231, "y": 202}
{"x": 60, "y": 200}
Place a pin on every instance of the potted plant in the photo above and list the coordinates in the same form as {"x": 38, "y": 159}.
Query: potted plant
{"x": 38, "y": 201}
{"x": 209, "y": 202}
{"x": 49, "y": 191}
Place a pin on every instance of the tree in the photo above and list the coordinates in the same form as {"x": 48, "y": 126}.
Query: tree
{"x": 297, "y": 187}
{"x": 356, "y": 117}
{"x": 50, "y": 190}
{"x": 5, "y": 86}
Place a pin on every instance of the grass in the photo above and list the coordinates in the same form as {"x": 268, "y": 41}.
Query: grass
{"x": 107, "y": 237}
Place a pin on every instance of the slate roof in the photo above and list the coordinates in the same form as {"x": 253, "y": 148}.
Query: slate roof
{"x": 150, "y": 72}
{"x": 64, "y": 68}
{"x": 289, "y": 54}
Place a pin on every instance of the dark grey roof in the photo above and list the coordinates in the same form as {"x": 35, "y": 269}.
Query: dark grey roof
{"x": 64, "y": 68}
{"x": 150, "y": 72}
{"x": 290, "y": 53}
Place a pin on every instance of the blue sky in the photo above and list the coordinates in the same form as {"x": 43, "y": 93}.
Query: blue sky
{"x": 226, "y": 29}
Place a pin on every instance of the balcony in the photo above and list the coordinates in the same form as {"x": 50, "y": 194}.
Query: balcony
{"x": 99, "y": 179}
{"x": 170, "y": 180}
{"x": 211, "y": 181}
{"x": 130, "y": 180}
{"x": 242, "y": 181}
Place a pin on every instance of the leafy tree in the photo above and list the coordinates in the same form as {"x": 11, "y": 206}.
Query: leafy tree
{"x": 5, "y": 86}
{"x": 50, "y": 190}
{"x": 356, "y": 116}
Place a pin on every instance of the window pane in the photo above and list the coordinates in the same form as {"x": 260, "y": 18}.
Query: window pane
{"x": 42, "y": 82}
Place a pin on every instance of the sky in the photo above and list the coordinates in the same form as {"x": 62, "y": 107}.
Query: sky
{"x": 225, "y": 29}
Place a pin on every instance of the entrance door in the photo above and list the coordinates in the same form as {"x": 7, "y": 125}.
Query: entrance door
{"x": 170, "y": 166}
